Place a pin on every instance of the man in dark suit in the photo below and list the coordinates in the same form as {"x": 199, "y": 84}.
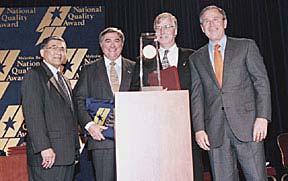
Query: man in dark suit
{"x": 96, "y": 81}
{"x": 165, "y": 26}
{"x": 230, "y": 99}
{"x": 52, "y": 139}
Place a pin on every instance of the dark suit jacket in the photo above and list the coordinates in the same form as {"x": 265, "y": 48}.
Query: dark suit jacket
{"x": 94, "y": 82}
{"x": 49, "y": 117}
{"x": 150, "y": 66}
{"x": 245, "y": 93}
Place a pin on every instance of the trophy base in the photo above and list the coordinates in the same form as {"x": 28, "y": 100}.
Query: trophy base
{"x": 152, "y": 88}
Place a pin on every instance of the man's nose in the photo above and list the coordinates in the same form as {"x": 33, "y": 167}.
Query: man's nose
{"x": 162, "y": 30}
{"x": 112, "y": 45}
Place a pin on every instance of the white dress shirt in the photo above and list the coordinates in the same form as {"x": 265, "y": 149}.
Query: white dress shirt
{"x": 172, "y": 55}
{"x": 118, "y": 67}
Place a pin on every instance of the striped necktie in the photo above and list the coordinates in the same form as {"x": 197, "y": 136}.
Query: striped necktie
{"x": 63, "y": 86}
{"x": 165, "y": 62}
{"x": 114, "y": 80}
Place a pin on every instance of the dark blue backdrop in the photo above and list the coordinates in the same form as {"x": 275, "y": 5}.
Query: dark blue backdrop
{"x": 265, "y": 21}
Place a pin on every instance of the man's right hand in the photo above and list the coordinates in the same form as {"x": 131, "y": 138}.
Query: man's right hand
{"x": 202, "y": 140}
{"x": 96, "y": 132}
{"x": 48, "y": 158}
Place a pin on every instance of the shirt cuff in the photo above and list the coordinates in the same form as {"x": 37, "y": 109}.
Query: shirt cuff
{"x": 87, "y": 126}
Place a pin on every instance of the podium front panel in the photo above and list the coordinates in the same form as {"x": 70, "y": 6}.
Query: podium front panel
{"x": 153, "y": 136}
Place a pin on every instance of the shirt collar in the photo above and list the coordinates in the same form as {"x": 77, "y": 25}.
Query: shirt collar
{"x": 171, "y": 49}
{"x": 117, "y": 61}
{"x": 53, "y": 69}
{"x": 222, "y": 43}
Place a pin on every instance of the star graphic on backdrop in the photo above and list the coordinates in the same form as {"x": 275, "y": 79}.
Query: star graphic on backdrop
{"x": 2, "y": 67}
{"x": 56, "y": 13}
{"x": 68, "y": 66}
{"x": 9, "y": 124}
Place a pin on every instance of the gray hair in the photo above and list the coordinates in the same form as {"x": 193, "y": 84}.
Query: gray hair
{"x": 164, "y": 16}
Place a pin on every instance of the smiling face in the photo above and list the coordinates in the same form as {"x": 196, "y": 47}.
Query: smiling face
{"x": 111, "y": 45}
{"x": 54, "y": 53}
{"x": 213, "y": 24}
{"x": 166, "y": 31}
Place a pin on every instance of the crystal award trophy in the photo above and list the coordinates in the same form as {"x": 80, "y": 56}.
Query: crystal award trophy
{"x": 149, "y": 57}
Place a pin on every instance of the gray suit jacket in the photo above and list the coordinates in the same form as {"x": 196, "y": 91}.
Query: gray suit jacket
{"x": 94, "y": 83}
{"x": 245, "y": 93}
{"x": 49, "y": 117}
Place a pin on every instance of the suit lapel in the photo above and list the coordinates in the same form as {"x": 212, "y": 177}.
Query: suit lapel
{"x": 103, "y": 76}
{"x": 68, "y": 99}
{"x": 52, "y": 80}
{"x": 68, "y": 84}
{"x": 126, "y": 75}
{"x": 181, "y": 61}
{"x": 227, "y": 59}
{"x": 207, "y": 64}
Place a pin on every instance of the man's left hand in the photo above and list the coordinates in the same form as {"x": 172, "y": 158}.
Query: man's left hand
{"x": 260, "y": 129}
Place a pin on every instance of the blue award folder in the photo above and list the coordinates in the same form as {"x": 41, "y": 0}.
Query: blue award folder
{"x": 102, "y": 113}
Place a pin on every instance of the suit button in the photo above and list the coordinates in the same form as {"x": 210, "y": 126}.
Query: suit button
{"x": 222, "y": 108}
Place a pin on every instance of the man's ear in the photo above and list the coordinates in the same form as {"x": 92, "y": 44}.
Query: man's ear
{"x": 225, "y": 23}
{"x": 202, "y": 28}
{"x": 42, "y": 53}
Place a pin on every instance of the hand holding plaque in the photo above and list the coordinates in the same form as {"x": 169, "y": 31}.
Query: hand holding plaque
{"x": 102, "y": 113}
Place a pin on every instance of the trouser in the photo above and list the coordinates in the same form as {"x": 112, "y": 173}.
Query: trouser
{"x": 250, "y": 155}
{"x": 55, "y": 173}
{"x": 104, "y": 163}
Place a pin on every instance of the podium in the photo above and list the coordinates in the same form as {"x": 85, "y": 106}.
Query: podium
{"x": 14, "y": 166}
{"x": 153, "y": 136}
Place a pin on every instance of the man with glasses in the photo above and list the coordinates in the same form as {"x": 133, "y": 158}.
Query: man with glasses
{"x": 165, "y": 26}
{"x": 52, "y": 139}
{"x": 230, "y": 99}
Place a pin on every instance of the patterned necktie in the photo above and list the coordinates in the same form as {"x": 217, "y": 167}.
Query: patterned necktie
{"x": 218, "y": 64}
{"x": 165, "y": 62}
{"x": 114, "y": 80}
{"x": 62, "y": 85}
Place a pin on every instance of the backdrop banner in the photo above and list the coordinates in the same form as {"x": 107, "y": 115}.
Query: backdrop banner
{"x": 22, "y": 29}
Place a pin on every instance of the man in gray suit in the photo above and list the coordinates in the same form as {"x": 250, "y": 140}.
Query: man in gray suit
{"x": 52, "y": 140}
{"x": 96, "y": 81}
{"x": 230, "y": 99}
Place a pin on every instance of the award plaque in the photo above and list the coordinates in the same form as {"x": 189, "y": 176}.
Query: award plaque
{"x": 102, "y": 113}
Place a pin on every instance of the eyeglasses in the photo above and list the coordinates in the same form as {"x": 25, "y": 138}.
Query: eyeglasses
{"x": 164, "y": 27}
{"x": 54, "y": 48}
{"x": 215, "y": 20}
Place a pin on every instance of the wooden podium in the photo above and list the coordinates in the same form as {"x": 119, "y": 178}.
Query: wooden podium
{"x": 14, "y": 166}
{"x": 153, "y": 136}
